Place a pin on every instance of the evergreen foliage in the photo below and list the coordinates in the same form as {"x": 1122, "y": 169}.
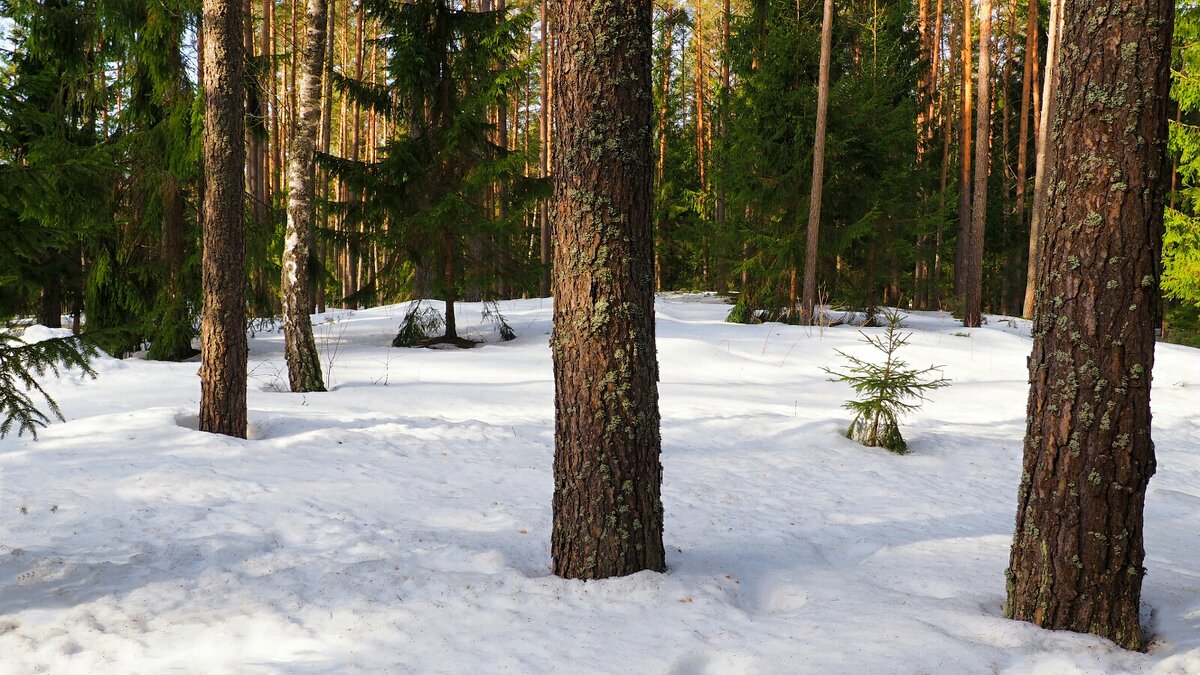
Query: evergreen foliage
{"x": 887, "y": 391}
{"x": 876, "y": 198}
{"x": 146, "y": 279}
{"x": 99, "y": 149}
{"x": 493, "y": 315}
{"x": 421, "y": 324}
{"x": 55, "y": 172}
{"x": 445, "y": 196}
{"x": 97, "y": 197}
{"x": 21, "y": 365}
{"x": 1181, "y": 258}
{"x": 1181, "y": 243}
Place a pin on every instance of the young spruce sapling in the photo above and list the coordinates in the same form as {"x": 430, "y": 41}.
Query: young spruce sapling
{"x": 886, "y": 391}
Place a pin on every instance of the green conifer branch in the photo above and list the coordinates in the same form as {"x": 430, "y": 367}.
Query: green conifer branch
{"x": 21, "y": 368}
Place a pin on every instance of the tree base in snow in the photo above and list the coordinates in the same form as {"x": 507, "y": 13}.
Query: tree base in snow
{"x": 450, "y": 340}
{"x": 882, "y": 434}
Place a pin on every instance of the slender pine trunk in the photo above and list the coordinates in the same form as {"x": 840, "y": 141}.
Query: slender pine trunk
{"x": 964, "y": 151}
{"x": 808, "y": 299}
{"x": 973, "y": 278}
{"x": 1044, "y": 150}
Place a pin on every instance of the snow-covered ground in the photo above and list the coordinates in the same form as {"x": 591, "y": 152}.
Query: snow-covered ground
{"x": 401, "y": 523}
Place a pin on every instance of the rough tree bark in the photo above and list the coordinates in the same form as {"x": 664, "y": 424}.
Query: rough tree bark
{"x": 973, "y": 274}
{"x": 808, "y": 298}
{"x": 1077, "y": 551}
{"x": 299, "y": 347}
{"x": 223, "y": 324}
{"x": 1049, "y": 90}
{"x": 607, "y": 476}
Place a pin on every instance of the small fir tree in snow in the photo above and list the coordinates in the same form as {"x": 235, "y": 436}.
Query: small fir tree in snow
{"x": 887, "y": 391}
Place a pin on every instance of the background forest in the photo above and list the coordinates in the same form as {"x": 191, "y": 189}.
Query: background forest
{"x": 238, "y": 171}
{"x": 433, "y": 154}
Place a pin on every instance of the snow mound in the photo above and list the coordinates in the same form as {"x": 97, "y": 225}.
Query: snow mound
{"x": 40, "y": 333}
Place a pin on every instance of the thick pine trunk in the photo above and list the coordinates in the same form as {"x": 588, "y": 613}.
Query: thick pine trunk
{"x": 808, "y": 298}
{"x": 973, "y": 274}
{"x": 1077, "y": 551}
{"x": 607, "y": 476}
{"x": 223, "y": 325}
{"x": 300, "y": 349}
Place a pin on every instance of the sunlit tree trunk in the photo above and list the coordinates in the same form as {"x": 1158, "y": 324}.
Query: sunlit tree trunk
{"x": 607, "y": 476}
{"x": 1029, "y": 74}
{"x": 973, "y": 277}
{"x": 964, "y": 151}
{"x": 1078, "y": 551}
{"x": 947, "y": 109}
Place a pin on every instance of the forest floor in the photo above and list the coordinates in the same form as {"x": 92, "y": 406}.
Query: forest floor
{"x": 401, "y": 522}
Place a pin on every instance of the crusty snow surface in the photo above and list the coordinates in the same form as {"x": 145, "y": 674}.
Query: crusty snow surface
{"x": 401, "y": 523}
